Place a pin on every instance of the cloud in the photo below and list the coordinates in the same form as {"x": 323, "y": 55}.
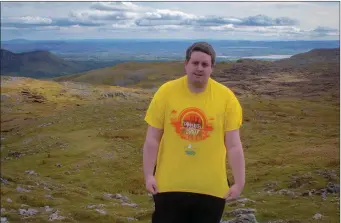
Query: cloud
{"x": 262, "y": 20}
{"x": 117, "y": 6}
{"x": 279, "y": 31}
{"x": 65, "y": 22}
{"x": 322, "y": 31}
{"x": 32, "y": 22}
{"x": 123, "y": 25}
{"x": 127, "y": 17}
{"x": 168, "y": 17}
{"x": 165, "y": 18}
{"x": 228, "y": 27}
{"x": 102, "y": 15}
{"x": 25, "y": 21}
{"x": 215, "y": 21}
{"x": 164, "y": 14}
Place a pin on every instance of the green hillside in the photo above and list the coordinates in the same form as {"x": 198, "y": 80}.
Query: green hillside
{"x": 77, "y": 148}
{"x": 43, "y": 64}
{"x": 133, "y": 74}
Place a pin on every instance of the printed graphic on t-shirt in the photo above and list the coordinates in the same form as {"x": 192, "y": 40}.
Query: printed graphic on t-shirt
{"x": 191, "y": 124}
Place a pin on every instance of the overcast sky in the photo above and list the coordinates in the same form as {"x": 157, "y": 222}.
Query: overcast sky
{"x": 170, "y": 20}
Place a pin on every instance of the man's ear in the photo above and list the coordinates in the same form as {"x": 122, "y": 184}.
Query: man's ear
{"x": 186, "y": 62}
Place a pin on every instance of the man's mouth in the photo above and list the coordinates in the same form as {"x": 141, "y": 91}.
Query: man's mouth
{"x": 198, "y": 75}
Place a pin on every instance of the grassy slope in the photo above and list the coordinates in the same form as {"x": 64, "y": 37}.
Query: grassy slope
{"x": 99, "y": 146}
{"x": 155, "y": 73}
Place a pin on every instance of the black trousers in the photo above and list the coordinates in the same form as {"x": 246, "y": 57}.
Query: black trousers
{"x": 183, "y": 207}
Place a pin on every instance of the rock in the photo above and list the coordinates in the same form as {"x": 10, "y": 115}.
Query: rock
{"x": 91, "y": 206}
{"x": 31, "y": 172}
{"x": 327, "y": 174}
{"x": 67, "y": 172}
{"x": 131, "y": 219}
{"x": 130, "y": 205}
{"x": 4, "y": 97}
{"x": 118, "y": 196}
{"x": 48, "y": 209}
{"x": 58, "y": 165}
{"x": 240, "y": 211}
{"x": 122, "y": 198}
{"x": 4, "y": 181}
{"x": 243, "y": 218}
{"x": 277, "y": 221}
{"x": 333, "y": 188}
{"x": 121, "y": 94}
{"x": 3, "y": 210}
{"x": 27, "y": 141}
{"x": 49, "y": 197}
{"x": 33, "y": 96}
{"x": 324, "y": 196}
{"x": 9, "y": 200}
{"x": 101, "y": 211}
{"x": 287, "y": 192}
{"x": 28, "y": 212}
{"x": 299, "y": 181}
{"x": 240, "y": 201}
{"x": 14, "y": 154}
{"x": 108, "y": 196}
{"x": 45, "y": 124}
{"x": 46, "y": 188}
{"x": 317, "y": 216}
{"x": 270, "y": 185}
{"x": 320, "y": 192}
{"x": 307, "y": 193}
{"x": 4, "y": 220}
{"x": 55, "y": 216}
{"x": 20, "y": 189}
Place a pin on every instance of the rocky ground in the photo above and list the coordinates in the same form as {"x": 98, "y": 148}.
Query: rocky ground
{"x": 71, "y": 152}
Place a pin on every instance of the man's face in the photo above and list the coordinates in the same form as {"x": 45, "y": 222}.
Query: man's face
{"x": 198, "y": 69}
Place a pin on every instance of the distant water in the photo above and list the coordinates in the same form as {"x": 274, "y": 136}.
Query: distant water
{"x": 164, "y": 50}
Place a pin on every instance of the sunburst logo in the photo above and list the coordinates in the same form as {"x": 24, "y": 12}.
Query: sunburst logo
{"x": 191, "y": 124}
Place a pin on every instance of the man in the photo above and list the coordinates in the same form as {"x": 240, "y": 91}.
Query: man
{"x": 193, "y": 122}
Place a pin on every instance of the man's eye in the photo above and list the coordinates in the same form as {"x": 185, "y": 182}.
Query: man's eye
{"x": 204, "y": 64}
{"x": 195, "y": 63}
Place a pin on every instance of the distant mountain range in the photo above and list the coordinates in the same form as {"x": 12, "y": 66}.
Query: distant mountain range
{"x": 43, "y": 64}
{"x": 163, "y": 50}
{"x": 324, "y": 63}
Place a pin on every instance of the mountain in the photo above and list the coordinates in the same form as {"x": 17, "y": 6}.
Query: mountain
{"x": 319, "y": 68}
{"x": 139, "y": 74}
{"x": 43, "y": 64}
{"x": 313, "y": 60}
{"x": 313, "y": 56}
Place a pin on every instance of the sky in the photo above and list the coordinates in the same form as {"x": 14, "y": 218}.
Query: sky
{"x": 170, "y": 20}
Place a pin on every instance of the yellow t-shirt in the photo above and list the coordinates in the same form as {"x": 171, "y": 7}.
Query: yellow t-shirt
{"x": 192, "y": 152}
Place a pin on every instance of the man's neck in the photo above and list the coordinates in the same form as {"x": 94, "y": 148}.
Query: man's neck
{"x": 196, "y": 89}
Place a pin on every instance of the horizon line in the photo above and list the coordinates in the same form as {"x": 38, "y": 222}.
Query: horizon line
{"x": 161, "y": 39}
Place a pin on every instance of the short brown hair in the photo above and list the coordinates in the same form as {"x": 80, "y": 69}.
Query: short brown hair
{"x": 201, "y": 47}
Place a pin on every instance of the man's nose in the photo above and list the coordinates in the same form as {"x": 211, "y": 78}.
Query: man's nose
{"x": 200, "y": 67}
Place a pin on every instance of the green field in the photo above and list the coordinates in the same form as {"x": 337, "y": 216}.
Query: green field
{"x": 83, "y": 145}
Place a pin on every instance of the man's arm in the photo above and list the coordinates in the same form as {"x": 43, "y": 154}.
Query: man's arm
{"x": 236, "y": 158}
{"x": 150, "y": 150}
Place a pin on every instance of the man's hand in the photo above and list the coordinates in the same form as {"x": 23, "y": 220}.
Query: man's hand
{"x": 234, "y": 192}
{"x": 151, "y": 185}
{"x": 150, "y": 151}
{"x": 237, "y": 163}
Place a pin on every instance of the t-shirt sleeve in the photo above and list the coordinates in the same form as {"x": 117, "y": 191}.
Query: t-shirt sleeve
{"x": 155, "y": 114}
{"x": 233, "y": 113}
